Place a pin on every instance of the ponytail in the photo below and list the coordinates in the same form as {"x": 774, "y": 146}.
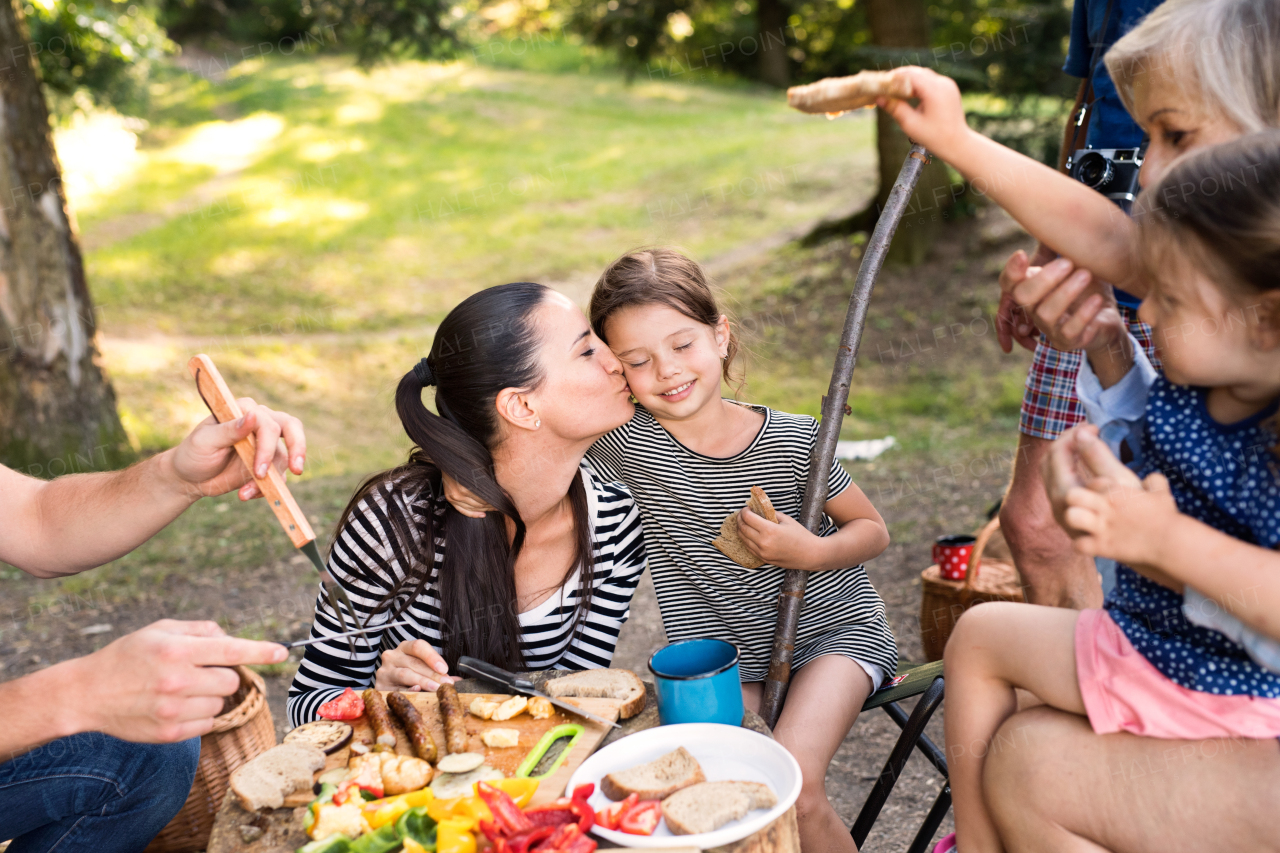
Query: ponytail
{"x": 485, "y": 344}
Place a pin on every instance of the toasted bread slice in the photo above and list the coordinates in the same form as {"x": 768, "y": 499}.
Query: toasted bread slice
{"x": 709, "y": 806}
{"x": 602, "y": 684}
{"x": 730, "y": 543}
{"x": 838, "y": 94}
{"x": 656, "y": 780}
{"x": 264, "y": 781}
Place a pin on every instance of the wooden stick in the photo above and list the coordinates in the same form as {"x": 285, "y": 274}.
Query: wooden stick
{"x": 218, "y": 397}
{"x": 791, "y": 598}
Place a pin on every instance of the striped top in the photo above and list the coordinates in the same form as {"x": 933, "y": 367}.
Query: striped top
{"x": 548, "y": 638}
{"x": 684, "y": 496}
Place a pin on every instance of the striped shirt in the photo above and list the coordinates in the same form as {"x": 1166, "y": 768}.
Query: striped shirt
{"x": 684, "y": 496}
{"x": 548, "y": 636}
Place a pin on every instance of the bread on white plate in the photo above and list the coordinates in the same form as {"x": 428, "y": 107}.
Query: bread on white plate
{"x": 602, "y": 684}
{"x": 655, "y": 780}
{"x": 264, "y": 781}
{"x": 707, "y": 806}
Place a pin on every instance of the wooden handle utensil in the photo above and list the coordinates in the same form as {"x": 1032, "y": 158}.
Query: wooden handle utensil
{"x": 217, "y": 396}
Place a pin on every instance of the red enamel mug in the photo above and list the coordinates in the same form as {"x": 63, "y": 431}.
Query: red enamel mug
{"x": 952, "y": 553}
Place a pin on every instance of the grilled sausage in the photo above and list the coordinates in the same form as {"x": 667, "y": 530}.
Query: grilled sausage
{"x": 375, "y": 709}
{"x": 424, "y": 746}
{"x": 454, "y": 719}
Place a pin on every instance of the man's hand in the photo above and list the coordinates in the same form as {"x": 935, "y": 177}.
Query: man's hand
{"x": 1073, "y": 309}
{"x": 413, "y": 665}
{"x": 163, "y": 683}
{"x": 206, "y": 460}
{"x": 1012, "y": 321}
{"x": 787, "y": 544}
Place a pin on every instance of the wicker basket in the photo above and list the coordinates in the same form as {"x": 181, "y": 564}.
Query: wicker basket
{"x": 942, "y": 600}
{"x": 243, "y": 729}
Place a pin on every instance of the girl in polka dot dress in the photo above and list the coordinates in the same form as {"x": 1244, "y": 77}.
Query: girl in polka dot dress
{"x": 1194, "y": 512}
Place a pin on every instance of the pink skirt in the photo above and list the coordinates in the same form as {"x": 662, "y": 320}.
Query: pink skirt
{"x": 1123, "y": 692}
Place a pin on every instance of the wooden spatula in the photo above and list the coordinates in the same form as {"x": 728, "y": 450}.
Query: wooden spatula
{"x": 222, "y": 403}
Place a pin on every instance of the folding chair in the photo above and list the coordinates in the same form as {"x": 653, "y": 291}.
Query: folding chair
{"x": 925, "y": 681}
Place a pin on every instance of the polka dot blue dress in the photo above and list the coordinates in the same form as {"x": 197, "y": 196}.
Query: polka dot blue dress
{"x": 1226, "y": 476}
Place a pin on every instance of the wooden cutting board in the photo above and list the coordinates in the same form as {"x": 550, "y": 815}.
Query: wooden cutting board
{"x": 505, "y": 759}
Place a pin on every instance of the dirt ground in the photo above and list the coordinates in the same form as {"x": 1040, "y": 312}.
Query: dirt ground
{"x": 921, "y": 495}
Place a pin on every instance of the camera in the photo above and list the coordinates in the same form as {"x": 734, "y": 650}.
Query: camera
{"x": 1111, "y": 171}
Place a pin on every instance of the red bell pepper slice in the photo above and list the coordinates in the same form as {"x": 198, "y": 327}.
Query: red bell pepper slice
{"x": 521, "y": 842}
{"x": 550, "y": 815}
{"x": 610, "y": 815}
{"x": 642, "y": 819}
{"x": 507, "y": 817}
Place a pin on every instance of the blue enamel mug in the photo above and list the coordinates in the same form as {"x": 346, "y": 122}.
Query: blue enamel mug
{"x": 697, "y": 682}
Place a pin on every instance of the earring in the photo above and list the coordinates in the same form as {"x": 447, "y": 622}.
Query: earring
{"x": 537, "y": 423}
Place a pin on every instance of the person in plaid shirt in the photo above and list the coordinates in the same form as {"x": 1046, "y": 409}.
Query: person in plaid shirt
{"x": 1052, "y": 571}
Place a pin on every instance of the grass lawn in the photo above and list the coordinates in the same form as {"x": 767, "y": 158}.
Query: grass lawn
{"x": 307, "y": 224}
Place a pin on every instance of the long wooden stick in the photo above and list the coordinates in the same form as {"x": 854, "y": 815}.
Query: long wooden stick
{"x": 791, "y": 598}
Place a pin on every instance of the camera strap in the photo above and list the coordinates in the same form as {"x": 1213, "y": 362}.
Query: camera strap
{"x": 1084, "y": 107}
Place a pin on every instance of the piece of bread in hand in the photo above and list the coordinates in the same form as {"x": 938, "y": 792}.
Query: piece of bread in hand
{"x": 709, "y": 806}
{"x": 656, "y": 780}
{"x": 839, "y": 94}
{"x": 602, "y": 684}
{"x": 730, "y": 543}
{"x": 264, "y": 781}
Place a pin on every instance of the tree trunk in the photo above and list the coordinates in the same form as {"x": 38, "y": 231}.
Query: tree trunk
{"x": 905, "y": 24}
{"x": 771, "y": 20}
{"x": 57, "y": 409}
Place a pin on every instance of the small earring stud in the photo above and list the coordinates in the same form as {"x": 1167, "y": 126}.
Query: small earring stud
{"x": 537, "y": 423}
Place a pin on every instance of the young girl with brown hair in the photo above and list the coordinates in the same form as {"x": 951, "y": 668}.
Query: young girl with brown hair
{"x": 690, "y": 457}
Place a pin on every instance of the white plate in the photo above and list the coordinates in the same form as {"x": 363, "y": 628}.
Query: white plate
{"x": 726, "y": 753}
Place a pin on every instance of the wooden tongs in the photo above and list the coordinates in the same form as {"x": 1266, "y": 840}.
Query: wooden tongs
{"x": 222, "y": 404}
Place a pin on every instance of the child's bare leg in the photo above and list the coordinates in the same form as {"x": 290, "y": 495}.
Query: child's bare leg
{"x": 995, "y": 648}
{"x": 823, "y": 702}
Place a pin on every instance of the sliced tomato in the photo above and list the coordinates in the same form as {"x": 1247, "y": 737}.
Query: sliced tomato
{"x": 611, "y": 815}
{"x": 641, "y": 818}
{"x": 348, "y": 706}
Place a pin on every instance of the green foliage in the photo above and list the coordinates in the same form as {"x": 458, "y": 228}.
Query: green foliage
{"x": 102, "y": 50}
{"x": 371, "y": 29}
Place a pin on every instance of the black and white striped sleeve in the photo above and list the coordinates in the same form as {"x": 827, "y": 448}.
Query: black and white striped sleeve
{"x": 366, "y": 561}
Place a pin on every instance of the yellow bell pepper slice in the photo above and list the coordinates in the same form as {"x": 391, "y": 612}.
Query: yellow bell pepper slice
{"x": 517, "y": 788}
{"x": 453, "y": 836}
{"x": 411, "y": 846}
{"x": 379, "y": 813}
{"x": 473, "y": 809}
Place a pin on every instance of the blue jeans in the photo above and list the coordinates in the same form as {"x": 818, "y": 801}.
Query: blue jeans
{"x": 93, "y": 792}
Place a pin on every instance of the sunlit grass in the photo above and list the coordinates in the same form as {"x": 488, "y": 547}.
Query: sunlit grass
{"x": 384, "y": 198}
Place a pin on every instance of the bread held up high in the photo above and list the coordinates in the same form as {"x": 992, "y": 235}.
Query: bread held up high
{"x": 730, "y": 543}
{"x": 839, "y": 94}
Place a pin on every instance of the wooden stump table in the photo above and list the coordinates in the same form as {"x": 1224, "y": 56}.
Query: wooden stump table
{"x": 280, "y": 830}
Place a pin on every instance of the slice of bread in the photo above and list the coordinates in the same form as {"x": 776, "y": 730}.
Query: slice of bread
{"x": 730, "y": 543}
{"x": 709, "y": 806}
{"x": 656, "y": 780}
{"x": 264, "y": 781}
{"x": 602, "y": 684}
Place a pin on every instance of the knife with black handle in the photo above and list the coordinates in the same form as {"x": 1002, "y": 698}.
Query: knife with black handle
{"x": 518, "y": 684}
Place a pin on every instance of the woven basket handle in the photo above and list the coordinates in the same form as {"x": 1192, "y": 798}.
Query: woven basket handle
{"x": 984, "y": 536}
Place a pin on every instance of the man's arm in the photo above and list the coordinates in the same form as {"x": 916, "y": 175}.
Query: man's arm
{"x": 64, "y": 526}
{"x": 161, "y": 684}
